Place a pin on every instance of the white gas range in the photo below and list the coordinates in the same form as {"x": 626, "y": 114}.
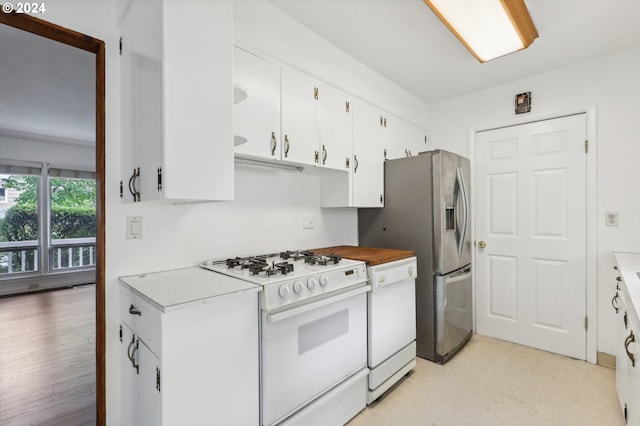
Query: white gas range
{"x": 313, "y": 334}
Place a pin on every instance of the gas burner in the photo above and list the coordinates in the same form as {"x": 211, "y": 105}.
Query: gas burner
{"x": 295, "y": 255}
{"x": 282, "y": 268}
{"x": 322, "y": 259}
{"x": 247, "y": 262}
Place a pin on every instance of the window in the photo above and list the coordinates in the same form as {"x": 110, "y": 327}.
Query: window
{"x": 72, "y": 223}
{"x": 19, "y": 219}
{"x": 59, "y": 221}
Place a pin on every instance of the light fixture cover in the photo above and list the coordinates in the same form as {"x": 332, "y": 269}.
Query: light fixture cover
{"x": 487, "y": 28}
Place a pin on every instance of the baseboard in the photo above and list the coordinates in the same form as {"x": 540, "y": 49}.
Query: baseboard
{"x": 606, "y": 360}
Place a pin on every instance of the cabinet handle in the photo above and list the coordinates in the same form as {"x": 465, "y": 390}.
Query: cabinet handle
{"x": 133, "y": 357}
{"x": 133, "y": 340}
{"x": 273, "y": 143}
{"x": 613, "y": 302}
{"x": 384, "y": 153}
{"x": 159, "y": 179}
{"x": 132, "y": 184}
{"x": 347, "y": 162}
{"x": 133, "y": 176}
{"x": 134, "y": 311}
{"x": 287, "y": 145}
{"x": 324, "y": 155}
{"x": 355, "y": 164}
{"x": 630, "y": 339}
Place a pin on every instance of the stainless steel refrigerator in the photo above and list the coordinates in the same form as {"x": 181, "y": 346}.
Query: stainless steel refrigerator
{"x": 427, "y": 209}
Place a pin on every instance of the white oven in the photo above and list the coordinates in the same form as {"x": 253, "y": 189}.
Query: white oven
{"x": 305, "y": 355}
{"x": 313, "y": 346}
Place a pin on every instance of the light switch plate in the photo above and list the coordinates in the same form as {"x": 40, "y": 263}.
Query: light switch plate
{"x": 611, "y": 218}
{"x": 134, "y": 227}
{"x": 307, "y": 222}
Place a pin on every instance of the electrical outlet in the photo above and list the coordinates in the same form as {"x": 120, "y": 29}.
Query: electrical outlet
{"x": 611, "y": 218}
{"x": 307, "y": 222}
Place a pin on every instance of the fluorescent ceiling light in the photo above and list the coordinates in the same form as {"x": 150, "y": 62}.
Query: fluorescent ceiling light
{"x": 488, "y": 28}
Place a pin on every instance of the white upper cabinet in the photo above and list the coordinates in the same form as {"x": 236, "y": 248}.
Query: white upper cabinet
{"x": 368, "y": 156}
{"x": 299, "y": 117}
{"x": 287, "y": 115}
{"x": 256, "y": 118}
{"x": 335, "y": 133}
{"x": 404, "y": 138}
{"x": 176, "y": 87}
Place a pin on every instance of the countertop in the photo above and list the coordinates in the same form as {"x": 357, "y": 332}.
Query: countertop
{"x": 628, "y": 265}
{"x": 174, "y": 289}
{"x": 370, "y": 255}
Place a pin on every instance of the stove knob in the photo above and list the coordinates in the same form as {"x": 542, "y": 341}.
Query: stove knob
{"x": 324, "y": 280}
{"x": 410, "y": 271}
{"x": 283, "y": 291}
{"x": 298, "y": 287}
{"x": 311, "y": 284}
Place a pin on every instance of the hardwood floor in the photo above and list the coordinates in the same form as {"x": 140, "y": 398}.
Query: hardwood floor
{"x": 47, "y": 358}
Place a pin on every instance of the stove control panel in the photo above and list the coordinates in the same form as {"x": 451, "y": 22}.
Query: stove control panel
{"x": 393, "y": 272}
{"x": 298, "y": 289}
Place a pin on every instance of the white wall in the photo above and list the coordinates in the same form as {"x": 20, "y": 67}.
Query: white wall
{"x": 611, "y": 85}
{"x": 267, "y": 212}
{"x": 62, "y": 155}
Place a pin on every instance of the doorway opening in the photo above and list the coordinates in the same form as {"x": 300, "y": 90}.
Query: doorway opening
{"x": 95, "y": 47}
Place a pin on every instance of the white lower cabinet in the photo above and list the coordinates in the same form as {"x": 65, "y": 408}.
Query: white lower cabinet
{"x": 628, "y": 349}
{"x": 189, "y": 352}
{"x": 139, "y": 374}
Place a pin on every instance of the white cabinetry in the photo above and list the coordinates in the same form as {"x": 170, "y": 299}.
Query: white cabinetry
{"x": 176, "y": 87}
{"x": 289, "y": 115}
{"x": 403, "y": 138}
{"x": 628, "y": 325}
{"x": 299, "y": 117}
{"x": 189, "y": 349}
{"x": 257, "y": 117}
{"x": 368, "y": 156}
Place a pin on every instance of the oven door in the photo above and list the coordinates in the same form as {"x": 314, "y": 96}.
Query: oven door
{"x": 307, "y": 351}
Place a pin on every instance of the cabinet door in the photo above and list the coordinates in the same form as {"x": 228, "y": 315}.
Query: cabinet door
{"x": 257, "y": 117}
{"x": 148, "y": 127}
{"x": 633, "y": 377}
{"x": 413, "y": 137}
{"x": 140, "y": 393}
{"x": 368, "y": 156}
{"x": 394, "y": 138}
{"x": 621, "y": 363}
{"x": 335, "y": 128}
{"x": 141, "y": 89}
{"x": 404, "y": 138}
{"x": 299, "y": 117}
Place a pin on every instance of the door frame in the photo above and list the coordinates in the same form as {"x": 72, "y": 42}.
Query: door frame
{"x": 591, "y": 231}
{"x": 72, "y": 38}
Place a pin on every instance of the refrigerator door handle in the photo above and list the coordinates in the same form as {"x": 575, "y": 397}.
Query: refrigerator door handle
{"x": 465, "y": 210}
{"x": 457, "y": 278}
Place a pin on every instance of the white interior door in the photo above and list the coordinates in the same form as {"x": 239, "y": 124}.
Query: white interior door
{"x": 531, "y": 216}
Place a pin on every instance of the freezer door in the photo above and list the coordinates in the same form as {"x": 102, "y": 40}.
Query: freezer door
{"x": 454, "y": 314}
{"x": 451, "y": 212}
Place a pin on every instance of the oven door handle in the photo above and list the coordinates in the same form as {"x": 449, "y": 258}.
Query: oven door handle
{"x": 288, "y": 313}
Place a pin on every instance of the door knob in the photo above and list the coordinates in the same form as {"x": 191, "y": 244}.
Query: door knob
{"x": 482, "y": 244}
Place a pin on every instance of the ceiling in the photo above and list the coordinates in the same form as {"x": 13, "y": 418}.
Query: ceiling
{"x": 406, "y": 43}
{"x": 48, "y": 88}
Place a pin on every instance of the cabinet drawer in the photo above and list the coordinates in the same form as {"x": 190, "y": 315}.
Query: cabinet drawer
{"x": 141, "y": 317}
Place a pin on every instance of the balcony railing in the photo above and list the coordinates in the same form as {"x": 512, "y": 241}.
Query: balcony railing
{"x": 73, "y": 253}
{"x": 19, "y": 257}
